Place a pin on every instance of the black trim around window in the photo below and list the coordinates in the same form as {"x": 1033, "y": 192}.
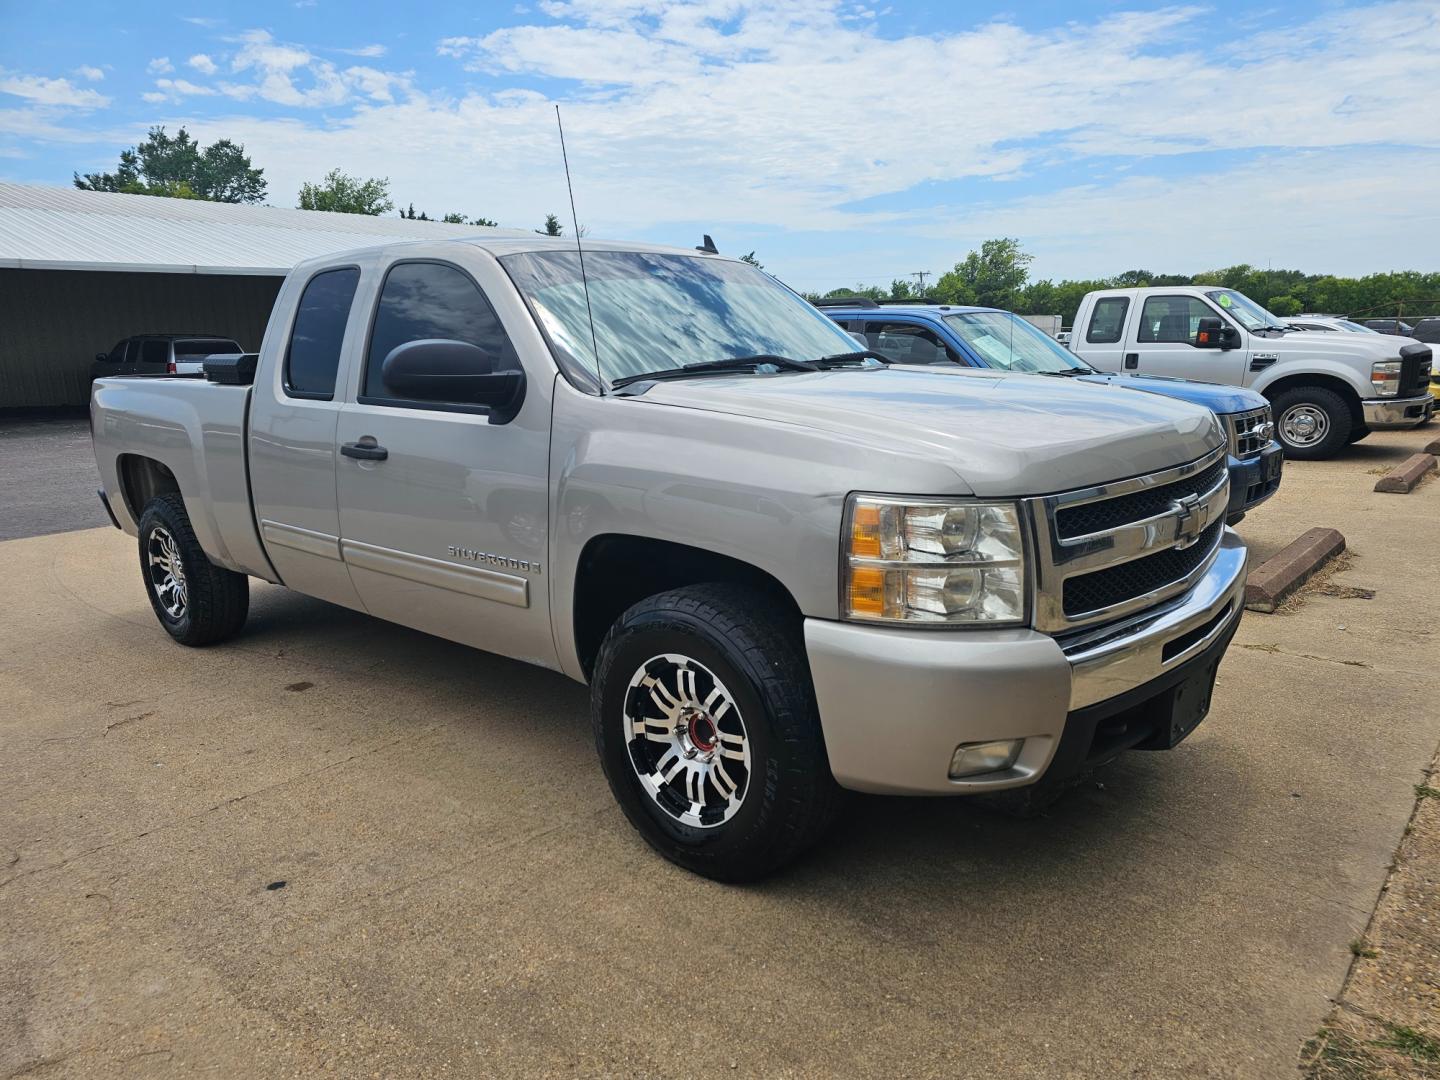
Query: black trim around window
{"x": 1090, "y": 337}
{"x": 316, "y": 395}
{"x": 362, "y": 398}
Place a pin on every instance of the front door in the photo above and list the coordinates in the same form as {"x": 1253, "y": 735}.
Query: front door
{"x": 443, "y": 515}
{"x": 1162, "y": 341}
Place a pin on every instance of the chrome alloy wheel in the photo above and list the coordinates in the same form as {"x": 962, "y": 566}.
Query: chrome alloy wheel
{"x": 1304, "y": 425}
{"x": 686, "y": 740}
{"x": 167, "y": 572}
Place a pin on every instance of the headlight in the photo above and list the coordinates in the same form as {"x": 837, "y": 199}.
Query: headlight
{"x": 1385, "y": 377}
{"x": 933, "y": 562}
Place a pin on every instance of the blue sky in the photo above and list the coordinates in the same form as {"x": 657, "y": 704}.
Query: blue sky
{"x": 842, "y": 142}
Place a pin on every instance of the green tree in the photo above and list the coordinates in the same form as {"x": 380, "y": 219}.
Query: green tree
{"x": 552, "y": 226}
{"x": 344, "y": 194}
{"x": 991, "y": 277}
{"x": 181, "y": 168}
{"x": 460, "y": 219}
{"x": 411, "y": 215}
{"x": 1285, "y": 305}
{"x": 752, "y": 261}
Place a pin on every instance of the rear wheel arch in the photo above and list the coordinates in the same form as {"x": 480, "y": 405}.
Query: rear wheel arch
{"x": 141, "y": 480}
{"x": 618, "y": 570}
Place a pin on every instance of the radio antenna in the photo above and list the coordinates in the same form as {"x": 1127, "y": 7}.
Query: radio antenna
{"x": 580, "y": 252}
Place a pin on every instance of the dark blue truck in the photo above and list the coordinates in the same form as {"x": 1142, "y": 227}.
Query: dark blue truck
{"x": 915, "y": 332}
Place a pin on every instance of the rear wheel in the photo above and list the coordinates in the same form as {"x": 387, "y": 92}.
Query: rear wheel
{"x": 1311, "y": 422}
{"x": 197, "y": 602}
{"x": 708, "y": 732}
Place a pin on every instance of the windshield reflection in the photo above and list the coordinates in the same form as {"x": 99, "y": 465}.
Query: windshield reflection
{"x": 655, "y": 311}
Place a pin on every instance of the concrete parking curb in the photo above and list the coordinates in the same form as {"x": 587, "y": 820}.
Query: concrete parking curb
{"x": 1402, "y": 479}
{"x": 1289, "y": 568}
{"x": 1432, "y": 447}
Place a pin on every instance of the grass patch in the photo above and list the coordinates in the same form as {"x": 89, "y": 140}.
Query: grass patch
{"x": 1415, "y": 1045}
{"x": 1425, "y": 791}
{"x": 1360, "y": 949}
{"x": 1334, "y": 1055}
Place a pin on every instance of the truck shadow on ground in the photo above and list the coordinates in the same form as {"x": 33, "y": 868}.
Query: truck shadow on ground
{"x": 1111, "y": 831}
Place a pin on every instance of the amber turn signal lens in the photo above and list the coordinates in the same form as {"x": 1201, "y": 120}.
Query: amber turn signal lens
{"x": 865, "y": 532}
{"x": 867, "y": 590}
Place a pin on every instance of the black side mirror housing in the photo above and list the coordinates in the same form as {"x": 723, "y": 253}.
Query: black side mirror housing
{"x": 1215, "y": 333}
{"x": 101, "y": 358}
{"x": 453, "y": 373}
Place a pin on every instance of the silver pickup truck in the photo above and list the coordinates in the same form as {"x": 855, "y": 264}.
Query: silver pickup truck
{"x": 784, "y": 567}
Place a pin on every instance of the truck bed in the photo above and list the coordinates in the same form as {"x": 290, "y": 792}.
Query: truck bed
{"x": 196, "y": 430}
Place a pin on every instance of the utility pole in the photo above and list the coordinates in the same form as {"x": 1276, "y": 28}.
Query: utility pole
{"x": 920, "y": 276}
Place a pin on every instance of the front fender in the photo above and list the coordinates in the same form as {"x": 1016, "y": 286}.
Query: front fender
{"x": 1288, "y": 367}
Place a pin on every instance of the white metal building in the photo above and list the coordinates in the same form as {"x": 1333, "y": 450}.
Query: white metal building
{"x": 79, "y": 270}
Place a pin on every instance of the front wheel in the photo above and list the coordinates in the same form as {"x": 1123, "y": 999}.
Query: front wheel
{"x": 707, "y": 729}
{"x": 197, "y": 602}
{"x": 1312, "y": 423}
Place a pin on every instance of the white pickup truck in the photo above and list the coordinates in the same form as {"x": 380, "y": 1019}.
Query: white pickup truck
{"x": 1325, "y": 390}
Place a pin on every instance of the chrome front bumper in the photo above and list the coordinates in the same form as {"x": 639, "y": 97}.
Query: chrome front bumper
{"x": 1397, "y": 413}
{"x": 894, "y": 704}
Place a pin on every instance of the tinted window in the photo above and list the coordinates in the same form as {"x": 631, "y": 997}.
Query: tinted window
{"x": 313, "y": 355}
{"x": 206, "y": 347}
{"x": 906, "y": 343}
{"x": 1172, "y": 318}
{"x": 154, "y": 351}
{"x": 117, "y": 354}
{"x": 1107, "y": 321}
{"x": 432, "y": 300}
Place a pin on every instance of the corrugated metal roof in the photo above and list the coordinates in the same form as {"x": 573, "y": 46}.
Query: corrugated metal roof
{"x": 56, "y": 228}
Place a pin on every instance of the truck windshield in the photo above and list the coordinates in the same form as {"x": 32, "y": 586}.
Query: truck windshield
{"x": 1007, "y": 341}
{"x": 1249, "y": 314}
{"x": 655, "y": 311}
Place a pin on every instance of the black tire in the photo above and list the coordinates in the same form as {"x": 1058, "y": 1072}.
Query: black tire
{"x": 212, "y": 601}
{"x": 1357, "y": 433}
{"x": 738, "y": 639}
{"x": 1327, "y": 411}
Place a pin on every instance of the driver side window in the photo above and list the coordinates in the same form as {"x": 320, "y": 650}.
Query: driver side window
{"x": 1172, "y": 319}
{"x": 423, "y": 300}
{"x": 906, "y": 343}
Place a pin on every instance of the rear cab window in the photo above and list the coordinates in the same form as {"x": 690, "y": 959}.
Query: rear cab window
{"x": 312, "y": 356}
{"x": 1107, "y": 320}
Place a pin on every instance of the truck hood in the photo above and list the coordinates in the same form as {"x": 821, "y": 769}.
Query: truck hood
{"x": 1003, "y": 434}
{"x": 1338, "y": 346}
{"x": 1217, "y": 398}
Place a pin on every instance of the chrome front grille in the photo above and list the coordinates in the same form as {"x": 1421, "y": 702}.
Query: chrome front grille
{"x": 1114, "y": 550}
{"x": 1250, "y": 432}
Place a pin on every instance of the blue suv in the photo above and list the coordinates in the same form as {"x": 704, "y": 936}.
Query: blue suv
{"x": 916, "y": 332}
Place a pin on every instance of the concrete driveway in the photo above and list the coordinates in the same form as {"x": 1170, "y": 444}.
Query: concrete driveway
{"x": 337, "y": 845}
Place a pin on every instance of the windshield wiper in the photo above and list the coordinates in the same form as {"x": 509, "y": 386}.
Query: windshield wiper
{"x": 859, "y": 357}
{"x": 1068, "y": 373}
{"x": 734, "y": 365}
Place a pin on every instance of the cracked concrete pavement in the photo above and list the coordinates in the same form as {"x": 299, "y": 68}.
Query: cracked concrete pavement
{"x": 461, "y": 896}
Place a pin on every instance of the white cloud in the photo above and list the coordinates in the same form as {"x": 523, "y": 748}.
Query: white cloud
{"x": 203, "y": 64}
{"x": 292, "y": 75}
{"x": 161, "y": 65}
{"x": 176, "y": 90}
{"x": 738, "y": 113}
{"x": 92, "y": 74}
{"x": 369, "y": 51}
{"x": 46, "y": 91}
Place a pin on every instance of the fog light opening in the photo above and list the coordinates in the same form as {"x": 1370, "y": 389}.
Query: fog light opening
{"x": 972, "y": 759}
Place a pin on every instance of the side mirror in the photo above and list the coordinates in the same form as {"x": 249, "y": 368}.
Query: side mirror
{"x": 102, "y": 358}
{"x": 452, "y": 373}
{"x": 1214, "y": 333}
